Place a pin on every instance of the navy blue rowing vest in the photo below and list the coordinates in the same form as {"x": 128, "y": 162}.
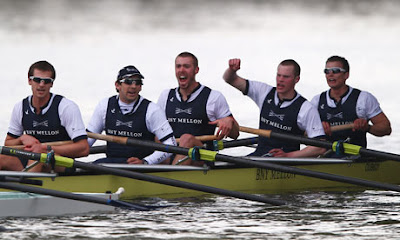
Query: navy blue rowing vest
{"x": 128, "y": 125}
{"x": 278, "y": 119}
{"x": 189, "y": 117}
{"x": 44, "y": 127}
{"x": 340, "y": 115}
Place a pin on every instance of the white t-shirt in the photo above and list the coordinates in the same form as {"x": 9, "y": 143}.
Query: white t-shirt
{"x": 217, "y": 106}
{"x": 69, "y": 113}
{"x": 367, "y": 105}
{"x": 308, "y": 118}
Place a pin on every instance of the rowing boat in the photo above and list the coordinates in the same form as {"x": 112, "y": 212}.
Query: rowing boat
{"x": 231, "y": 177}
{"x": 21, "y": 204}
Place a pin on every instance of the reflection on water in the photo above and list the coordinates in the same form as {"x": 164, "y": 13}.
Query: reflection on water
{"x": 359, "y": 215}
{"x": 89, "y": 41}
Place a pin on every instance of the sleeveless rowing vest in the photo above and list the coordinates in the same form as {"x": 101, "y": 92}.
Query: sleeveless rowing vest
{"x": 44, "y": 127}
{"x": 189, "y": 117}
{"x": 278, "y": 119}
{"x": 127, "y": 125}
{"x": 340, "y": 115}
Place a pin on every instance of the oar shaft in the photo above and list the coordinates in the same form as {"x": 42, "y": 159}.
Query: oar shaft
{"x": 73, "y": 196}
{"x": 98, "y": 149}
{"x": 175, "y": 183}
{"x": 240, "y": 142}
{"x": 300, "y": 139}
{"x": 319, "y": 143}
{"x": 54, "y": 193}
{"x": 21, "y": 180}
{"x": 203, "y": 138}
{"x": 265, "y": 165}
{"x": 287, "y": 137}
{"x": 222, "y": 144}
{"x": 379, "y": 154}
{"x": 142, "y": 176}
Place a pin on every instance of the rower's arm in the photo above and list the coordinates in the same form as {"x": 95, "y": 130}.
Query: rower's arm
{"x": 77, "y": 149}
{"x": 230, "y": 76}
{"x": 235, "y": 129}
{"x": 26, "y": 140}
{"x": 309, "y": 151}
{"x": 380, "y": 125}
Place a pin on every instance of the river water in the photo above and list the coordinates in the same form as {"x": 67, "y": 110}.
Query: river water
{"x": 89, "y": 41}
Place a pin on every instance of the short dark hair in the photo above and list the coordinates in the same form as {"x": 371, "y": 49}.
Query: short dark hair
{"x": 291, "y": 62}
{"x": 191, "y": 55}
{"x": 343, "y": 60}
{"x": 42, "y": 66}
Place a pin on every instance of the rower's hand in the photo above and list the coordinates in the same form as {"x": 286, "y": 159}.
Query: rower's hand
{"x": 134, "y": 160}
{"x": 360, "y": 124}
{"x": 234, "y": 64}
{"x": 327, "y": 128}
{"x": 224, "y": 127}
{"x": 277, "y": 152}
{"x": 36, "y": 148}
{"x": 28, "y": 141}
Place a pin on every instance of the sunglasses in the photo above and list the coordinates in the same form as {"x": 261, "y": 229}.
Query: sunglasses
{"x": 39, "y": 79}
{"x": 129, "y": 81}
{"x": 334, "y": 70}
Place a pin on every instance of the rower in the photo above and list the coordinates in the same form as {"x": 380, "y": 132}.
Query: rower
{"x": 128, "y": 114}
{"x": 342, "y": 104}
{"x": 194, "y": 109}
{"x": 44, "y": 117}
{"x": 282, "y": 109}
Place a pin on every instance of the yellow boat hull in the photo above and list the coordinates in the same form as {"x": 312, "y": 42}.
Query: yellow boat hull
{"x": 251, "y": 180}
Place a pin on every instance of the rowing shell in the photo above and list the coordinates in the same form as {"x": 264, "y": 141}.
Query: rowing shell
{"x": 20, "y": 204}
{"x": 226, "y": 176}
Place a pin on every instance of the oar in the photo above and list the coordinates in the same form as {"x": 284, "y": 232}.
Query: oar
{"x": 69, "y": 162}
{"x": 103, "y": 148}
{"x": 73, "y": 196}
{"x": 335, "y": 146}
{"x": 222, "y": 144}
{"x": 342, "y": 127}
{"x": 214, "y": 156}
{"x": 98, "y": 149}
{"x": 335, "y": 129}
{"x": 47, "y": 143}
{"x": 219, "y": 145}
{"x": 203, "y": 138}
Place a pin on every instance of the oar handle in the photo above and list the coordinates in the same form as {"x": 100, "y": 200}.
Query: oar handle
{"x": 122, "y": 140}
{"x": 108, "y": 138}
{"x": 203, "y": 138}
{"x": 261, "y": 132}
{"x": 267, "y": 133}
{"x": 45, "y": 143}
{"x": 342, "y": 127}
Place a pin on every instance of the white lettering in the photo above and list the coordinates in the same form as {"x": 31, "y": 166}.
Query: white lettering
{"x": 276, "y": 125}
{"x": 340, "y": 123}
{"x": 190, "y": 121}
{"x": 43, "y": 132}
